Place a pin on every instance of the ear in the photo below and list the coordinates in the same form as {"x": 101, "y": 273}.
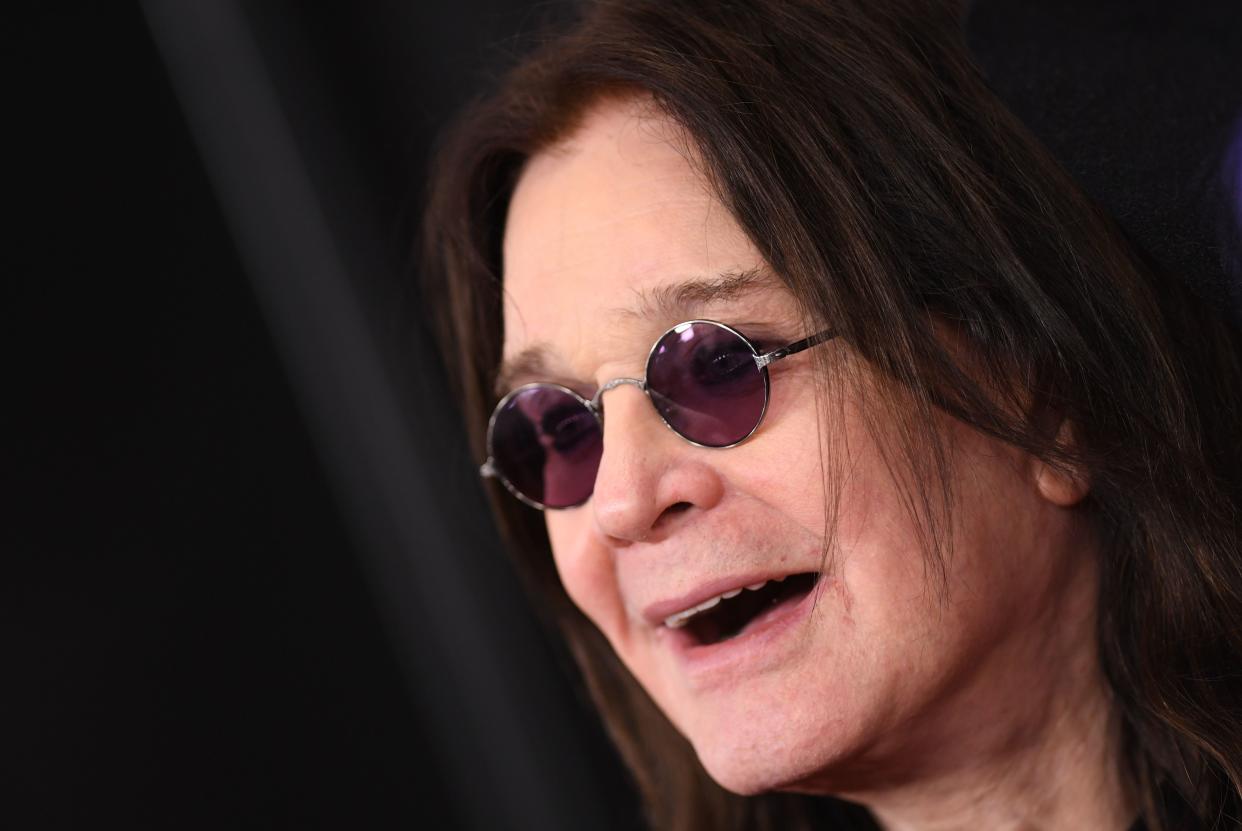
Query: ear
{"x": 1062, "y": 488}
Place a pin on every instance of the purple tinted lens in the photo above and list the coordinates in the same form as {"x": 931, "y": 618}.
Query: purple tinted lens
{"x": 704, "y": 381}
{"x": 547, "y": 444}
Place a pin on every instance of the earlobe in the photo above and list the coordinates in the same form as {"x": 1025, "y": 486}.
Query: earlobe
{"x": 1060, "y": 488}
{"x": 1065, "y": 488}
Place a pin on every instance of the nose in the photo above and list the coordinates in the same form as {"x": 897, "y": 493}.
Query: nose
{"x": 650, "y": 480}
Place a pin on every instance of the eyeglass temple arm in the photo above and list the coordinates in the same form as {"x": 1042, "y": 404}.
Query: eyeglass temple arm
{"x": 794, "y": 348}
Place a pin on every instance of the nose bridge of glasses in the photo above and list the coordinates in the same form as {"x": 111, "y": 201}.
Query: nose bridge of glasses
{"x": 597, "y": 399}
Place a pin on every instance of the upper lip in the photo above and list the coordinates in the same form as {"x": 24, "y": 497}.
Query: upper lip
{"x": 656, "y": 613}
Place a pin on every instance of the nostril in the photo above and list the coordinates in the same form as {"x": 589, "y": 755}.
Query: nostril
{"x": 672, "y": 511}
{"x": 668, "y": 517}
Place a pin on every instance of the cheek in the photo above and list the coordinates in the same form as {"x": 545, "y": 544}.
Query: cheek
{"x": 585, "y": 569}
{"x": 782, "y": 465}
{"x": 997, "y": 569}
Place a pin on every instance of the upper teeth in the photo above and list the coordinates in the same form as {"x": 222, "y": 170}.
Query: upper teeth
{"x": 682, "y": 618}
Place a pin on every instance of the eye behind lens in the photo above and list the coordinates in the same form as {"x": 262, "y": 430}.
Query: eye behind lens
{"x": 723, "y": 363}
{"x": 705, "y": 383}
{"x": 546, "y": 444}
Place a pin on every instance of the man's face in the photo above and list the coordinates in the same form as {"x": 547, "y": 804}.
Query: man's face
{"x": 829, "y": 673}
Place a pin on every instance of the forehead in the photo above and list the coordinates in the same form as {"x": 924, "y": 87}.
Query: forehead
{"x": 606, "y": 225}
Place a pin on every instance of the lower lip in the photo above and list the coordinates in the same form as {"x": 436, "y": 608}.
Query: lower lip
{"x": 755, "y": 649}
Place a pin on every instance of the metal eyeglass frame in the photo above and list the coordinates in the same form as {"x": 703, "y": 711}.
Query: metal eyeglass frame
{"x": 489, "y": 470}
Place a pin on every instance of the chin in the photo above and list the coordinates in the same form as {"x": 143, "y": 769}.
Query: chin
{"x": 745, "y": 777}
{"x": 789, "y": 726}
{"x": 758, "y": 762}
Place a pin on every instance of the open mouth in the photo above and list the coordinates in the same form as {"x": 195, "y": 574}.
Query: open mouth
{"x": 730, "y": 614}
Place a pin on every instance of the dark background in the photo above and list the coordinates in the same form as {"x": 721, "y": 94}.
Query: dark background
{"x": 224, "y": 603}
{"x": 193, "y": 635}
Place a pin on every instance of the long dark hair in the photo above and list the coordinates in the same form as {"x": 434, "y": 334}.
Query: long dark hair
{"x": 862, "y": 152}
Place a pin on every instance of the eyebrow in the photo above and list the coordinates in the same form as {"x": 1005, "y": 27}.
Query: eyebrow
{"x": 675, "y": 302}
{"x": 684, "y": 299}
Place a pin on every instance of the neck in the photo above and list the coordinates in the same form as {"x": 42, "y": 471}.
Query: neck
{"x": 1070, "y": 778}
{"x": 1041, "y": 752}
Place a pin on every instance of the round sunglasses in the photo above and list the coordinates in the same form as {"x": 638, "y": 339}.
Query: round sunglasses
{"x": 708, "y": 382}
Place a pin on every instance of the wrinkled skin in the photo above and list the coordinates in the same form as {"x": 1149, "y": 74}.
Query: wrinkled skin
{"x": 979, "y": 700}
